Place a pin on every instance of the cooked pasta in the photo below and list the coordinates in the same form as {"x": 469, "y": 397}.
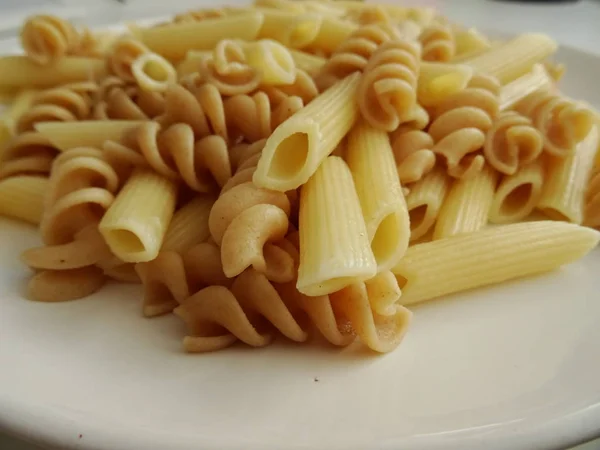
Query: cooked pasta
{"x": 489, "y": 256}
{"x": 371, "y": 161}
{"x": 563, "y": 194}
{"x": 518, "y": 194}
{"x": 292, "y": 166}
{"x": 387, "y": 94}
{"x": 296, "y": 148}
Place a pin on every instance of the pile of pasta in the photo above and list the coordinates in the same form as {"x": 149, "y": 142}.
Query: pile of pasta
{"x": 293, "y": 168}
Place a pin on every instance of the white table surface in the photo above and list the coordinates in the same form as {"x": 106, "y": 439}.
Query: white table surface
{"x": 573, "y": 24}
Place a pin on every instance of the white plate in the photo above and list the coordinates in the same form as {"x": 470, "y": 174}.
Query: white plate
{"x": 510, "y": 367}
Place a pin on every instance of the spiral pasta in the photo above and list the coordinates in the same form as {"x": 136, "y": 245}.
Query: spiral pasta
{"x": 592, "y": 201}
{"x": 354, "y": 53}
{"x": 512, "y": 142}
{"x": 65, "y": 103}
{"x": 28, "y": 153}
{"x": 47, "y": 38}
{"x": 117, "y": 99}
{"x": 562, "y": 122}
{"x": 174, "y": 153}
{"x": 122, "y": 55}
{"x": 413, "y": 155}
{"x": 82, "y": 187}
{"x": 460, "y": 124}
{"x": 438, "y": 43}
{"x": 387, "y": 93}
{"x": 254, "y": 117}
{"x": 254, "y": 307}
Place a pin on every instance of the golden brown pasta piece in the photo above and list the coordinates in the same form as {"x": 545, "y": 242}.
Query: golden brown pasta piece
{"x": 413, "y": 154}
{"x": 387, "y": 93}
{"x": 512, "y": 142}
{"x": 563, "y": 122}
{"x": 66, "y": 103}
{"x": 28, "y": 153}
{"x": 122, "y": 55}
{"x": 64, "y": 285}
{"x": 174, "y": 153}
{"x": 117, "y": 99}
{"x": 200, "y": 107}
{"x": 255, "y": 117}
{"x": 354, "y": 53}
{"x": 438, "y": 43}
{"x": 460, "y": 124}
{"x": 304, "y": 87}
{"x": 47, "y": 38}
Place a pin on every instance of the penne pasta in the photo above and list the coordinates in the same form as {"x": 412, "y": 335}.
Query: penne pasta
{"x": 331, "y": 34}
{"x": 466, "y": 207}
{"x": 291, "y": 29}
{"x": 566, "y": 181}
{"x": 489, "y": 256}
{"x": 515, "y": 91}
{"x": 85, "y": 133}
{"x": 438, "y": 81}
{"x": 19, "y": 72}
{"x": 334, "y": 245}
{"x": 371, "y": 161}
{"x": 174, "y": 41}
{"x": 135, "y": 224}
{"x": 425, "y": 201}
{"x": 22, "y": 197}
{"x": 296, "y": 148}
{"x": 189, "y": 225}
{"x": 518, "y": 194}
{"x": 311, "y": 64}
{"x": 470, "y": 42}
{"x": 515, "y": 57}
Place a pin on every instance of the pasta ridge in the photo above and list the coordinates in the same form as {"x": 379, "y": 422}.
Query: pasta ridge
{"x": 592, "y": 203}
{"x": 46, "y": 38}
{"x": 438, "y": 43}
{"x": 28, "y": 153}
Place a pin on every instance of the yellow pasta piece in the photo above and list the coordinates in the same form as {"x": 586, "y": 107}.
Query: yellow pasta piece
{"x": 174, "y": 41}
{"x": 18, "y": 71}
{"x": 470, "y": 41}
{"x": 189, "y": 225}
{"x": 566, "y": 181}
{"x": 152, "y": 72}
{"x": 371, "y": 161}
{"x": 272, "y": 60}
{"x": 518, "y": 194}
{"x": 296, "y": 148}
{"x": 334, "y": 245}
{"x": 332, "y": 33}
{"x": 311, "y": 64}
{"x": 467, "y": 204}
{"x": 291, "y": 29}
{"x": 425, "y": 201}
{"x": 515, "y": 91}
{"x": 515, "y": 57}
{"x": 86, "y": 133}
{"x": 22, "y": 197}
{"x": 438, "y": 81}
{"x": 489, "y": 256}
{"x": 9, "y": 118}
{"x": 192, "y": 62}
{"x": 135, "y": 224}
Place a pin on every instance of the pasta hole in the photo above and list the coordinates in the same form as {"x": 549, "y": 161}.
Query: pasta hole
{"x": 417, "y": 216}
{"x": 156, "y": 71}
{"x": 517, "y": 199}
{"x": 386, "y": 236}
{"x": 290, "y": 156}
{"x": 125, "y": 240}
{"x": 402, "y": 281}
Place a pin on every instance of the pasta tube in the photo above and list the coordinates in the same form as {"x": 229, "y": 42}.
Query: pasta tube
{"x": 174, "y": 41}
{"x": 311, "y": 64}
{"x": 135, "y": 224}
{"x": 296, "y": 148}
{"x": 19, "y": 71}
{"x": 371, "y": 161}
{"x": 467, "y": 204}
{"x": 515, "y": 57}
{"x": 489, "y": 256}
{"x": 518, "y": 194}
{"x": 566, "y": 181}
{"x": 334, "y": 245}
{"x": 85, "y": 133}
{"x": 517, "y": 90}
{"x": 22, "y": 197}
{"x": 291, "y": 29}
{"x": 189, "y": 225}
{"x": 438, "y": 81}
{"x": 425, "y": 201}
